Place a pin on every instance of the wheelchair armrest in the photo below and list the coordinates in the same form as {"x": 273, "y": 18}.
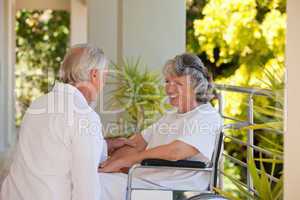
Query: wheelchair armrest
{"x": 177, "y": 164}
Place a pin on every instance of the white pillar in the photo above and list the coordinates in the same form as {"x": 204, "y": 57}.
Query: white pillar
{"x": 7, "y": 63}
{"x": 78, "y": 22}
{"x": 2, "y": 87}
{"x": 292, "y": 136}
{"x": 103, "y": 32}
{"x": 103, "y": 25}
{"x": 153, "y": 30}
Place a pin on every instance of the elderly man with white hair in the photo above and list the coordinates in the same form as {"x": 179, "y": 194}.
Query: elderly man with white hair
{"x": 60, "y": 143}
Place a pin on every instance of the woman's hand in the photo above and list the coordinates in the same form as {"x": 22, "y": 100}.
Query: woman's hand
{"x": 114, "y": 144}
{"x": 116, "y": 165}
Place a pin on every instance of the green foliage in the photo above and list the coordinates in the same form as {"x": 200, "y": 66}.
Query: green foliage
{"x": 265, "y": 189}
{"x": 243, "y": 42}
{"x": 248, "y": 36}
{"x": 271, "y": 118}
{"x": 42, "y": 38}
{"x": 193, "y": 11}
{"x": 139, "y": 94}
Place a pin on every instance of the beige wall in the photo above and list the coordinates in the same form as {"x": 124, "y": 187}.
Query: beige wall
{"x": 153, "y": 30}
{"x": 103, "y": 25}
{"x": 43, "y": 4}
{"x": 292, "y": 137}
{"x": 78, "y": 33}
{"x": 103, "y": 31}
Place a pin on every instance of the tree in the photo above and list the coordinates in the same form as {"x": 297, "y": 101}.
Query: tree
{"x": 42, "y": 39}
{"x": 248, "y": 36}
{"x": 241, "y": 41}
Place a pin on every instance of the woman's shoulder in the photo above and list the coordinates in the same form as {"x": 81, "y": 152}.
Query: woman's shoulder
{"x": 207, "y": 112}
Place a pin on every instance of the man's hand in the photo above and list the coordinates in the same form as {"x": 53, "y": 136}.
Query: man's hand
{"x": 117, "y": 165}
{"x": 114, "y": 144}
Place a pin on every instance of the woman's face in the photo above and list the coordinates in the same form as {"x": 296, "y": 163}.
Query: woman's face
{"x": 181, "y": 93}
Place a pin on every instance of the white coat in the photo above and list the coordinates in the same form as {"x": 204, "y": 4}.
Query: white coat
{"x": 59, "y": 149}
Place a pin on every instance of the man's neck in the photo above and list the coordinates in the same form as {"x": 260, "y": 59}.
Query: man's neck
{"x": 86, "y": 90}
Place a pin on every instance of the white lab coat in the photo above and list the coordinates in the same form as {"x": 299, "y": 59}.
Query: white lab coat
{"x": 197, "y": 128}
{"x": 59, "y": 149}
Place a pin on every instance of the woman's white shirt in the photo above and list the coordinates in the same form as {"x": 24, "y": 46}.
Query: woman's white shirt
{"x": 197, "y": 128}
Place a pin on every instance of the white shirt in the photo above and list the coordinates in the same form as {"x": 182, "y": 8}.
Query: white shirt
{"x": 58, "y": 150}
{"x": 197, "y": 128}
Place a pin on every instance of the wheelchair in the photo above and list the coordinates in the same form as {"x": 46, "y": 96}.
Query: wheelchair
{"x": 198, "y": 166}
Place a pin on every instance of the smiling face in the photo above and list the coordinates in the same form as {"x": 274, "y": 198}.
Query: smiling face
{"x": 181, "y": 93}
{"x": 188, "y": 83}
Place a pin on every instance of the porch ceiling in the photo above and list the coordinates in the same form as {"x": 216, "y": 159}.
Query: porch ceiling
{"x": 45, "y": 4}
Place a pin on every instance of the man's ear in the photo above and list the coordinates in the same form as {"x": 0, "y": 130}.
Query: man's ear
{"x": 94, "y": 75}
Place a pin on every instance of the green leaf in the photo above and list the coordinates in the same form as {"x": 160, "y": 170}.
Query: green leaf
{"x": 255, "y": 176}
{"x": 278, "y": 189}
{"x": 139, "y": 93}
{"x": 226, "y": 194}
{"x": 245, "y": 192}
{"x": 266, "y": 160}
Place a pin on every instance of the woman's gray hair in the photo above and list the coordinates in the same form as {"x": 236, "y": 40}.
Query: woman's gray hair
{"x": 78, "y": 62}
{"x": 190, "y": 64}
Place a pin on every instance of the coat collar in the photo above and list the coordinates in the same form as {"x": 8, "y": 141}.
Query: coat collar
{"x": 68, "y": 89}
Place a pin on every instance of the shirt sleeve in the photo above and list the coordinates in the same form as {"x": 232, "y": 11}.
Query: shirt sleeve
{"x": 147, "y": 133}
{"x": 201, "y": 134}
{"x": 104, "y": 154}
{"x": 86, "y": 145}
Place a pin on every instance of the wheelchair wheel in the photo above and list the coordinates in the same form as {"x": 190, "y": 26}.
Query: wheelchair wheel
{"x": 207, "y": 197}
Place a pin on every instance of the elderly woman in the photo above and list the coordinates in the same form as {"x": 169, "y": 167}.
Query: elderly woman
{"x": 60, "y": 143}
{"x": 190, "y": 133}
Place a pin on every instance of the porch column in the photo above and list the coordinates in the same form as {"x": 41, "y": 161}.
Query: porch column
{"x": 292, "y": 136}
{"x": 7, "y": 62}
{"x": 78, "y": 22}
{"x": 153, "y": 31}
{"x": 103, "y": 26}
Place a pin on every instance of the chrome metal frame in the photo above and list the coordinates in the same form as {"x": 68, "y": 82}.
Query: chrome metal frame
{"x": 238, "y": 124}
{"x": 138, "y": 166}
{"x": 209, "y": 169}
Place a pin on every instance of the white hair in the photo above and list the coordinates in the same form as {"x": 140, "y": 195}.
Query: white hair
{"x": 190, "y": 64}
{"x": 78, "y": 62}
